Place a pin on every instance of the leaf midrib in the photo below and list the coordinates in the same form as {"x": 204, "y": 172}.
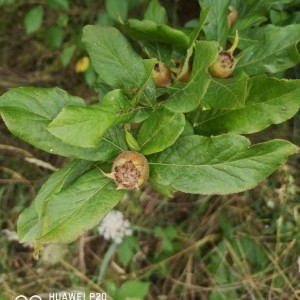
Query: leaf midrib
{"x": 245, "y": 108}
{"x": 75, "y": 211}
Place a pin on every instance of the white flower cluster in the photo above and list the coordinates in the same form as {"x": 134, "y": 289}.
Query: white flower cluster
{"x": 114, "y": 227}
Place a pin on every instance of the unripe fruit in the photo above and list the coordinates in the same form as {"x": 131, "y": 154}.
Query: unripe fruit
{"x": 225, "y": 62}
{"x": 130, "y": 170}
{"x": 223, "y": 66}
{"x": 162, "y": 75}
{"x": 184, "y": 75}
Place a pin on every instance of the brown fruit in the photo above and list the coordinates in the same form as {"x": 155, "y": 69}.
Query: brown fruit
{"x": 223, "y": 66}
{"x": 162, "y": 75}
{"x": 130, "y": 170}
{"x": 225, "y": 62}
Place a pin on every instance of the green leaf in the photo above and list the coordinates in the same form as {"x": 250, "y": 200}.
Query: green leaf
{"x": 117, "y": 9}
{"x": 37, "y": 107}
{"x": 195, "y": 33}
{"x": 188, "y": 129}
{"x": 146, "y": 92}
{"x": 161, "y": 51}
{"x": 226, "y": 93}
{"x": 187, "y": 97}
{"x": 55, "y": 36}
{"x": 249, "y": 8}
{"x": 278, "y": 17}
{"x": 113, "y": 57}
{"x": 66, "y": 217}
{"x": 33, "y": 19}
{"x": 127, "y": 250}
{"x": 217, "y": 165}
{"x": 223, "y": 295}
{"x": 81, "y": 126}
{"x": 147, "y": 30}
{"x": 30, "y": 220}
{"x": 67, "y": 54}
{"x": 63, "y": 20}
{"x": 252, "y": 36}
{"x": 85, "y": 126}
{"x": 156, "y": 13}
{"x": 249, "y": 21}
{"x": 43, "y": 103}
{"x": 160, "y": 131}
{"x": 217, "y": 27}
{"x": 130, "y": 139}
{"x": 193, "y": 37}
{"x": 165, "y": 190}
{"x": 133, "y": 289}
{"x": 270, "y": 101}
{"x": 276, "y": 52}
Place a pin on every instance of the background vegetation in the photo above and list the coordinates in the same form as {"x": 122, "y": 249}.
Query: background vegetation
{"x": 242, "y": 246}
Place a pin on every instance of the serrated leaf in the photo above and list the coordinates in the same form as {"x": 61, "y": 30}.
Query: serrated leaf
{"x": 85, "y": 126}
{"x": 66, "y": 217}
{"x": 269, "y": 101}
{"x": 160, "y": 131}
{"x": 37, "y": 107}
{"x": 217, "y": 165}
{"x": 187, "y": 97}
{"x": 226, "y": 93}
{"x": 275, "y": 53}
{"x": 216, "y": 28}
{"x": 33, "y": 19}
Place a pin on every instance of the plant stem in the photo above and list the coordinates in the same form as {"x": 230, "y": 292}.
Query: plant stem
{"x": 107, "y": 256}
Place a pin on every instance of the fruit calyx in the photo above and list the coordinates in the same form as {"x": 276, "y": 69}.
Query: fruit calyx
{"x": 130, "y": 170}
